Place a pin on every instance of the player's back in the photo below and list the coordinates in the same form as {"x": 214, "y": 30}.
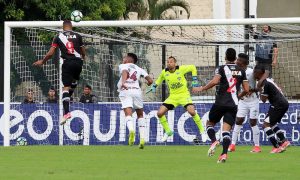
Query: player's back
{"x": 134, "y": 75}
{"x": 69, "y": 43}
{"x": 232, "y": 77}
{"x": 274, "y": 94}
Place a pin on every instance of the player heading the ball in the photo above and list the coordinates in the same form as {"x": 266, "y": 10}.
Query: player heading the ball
{"x": 73, "y": 53}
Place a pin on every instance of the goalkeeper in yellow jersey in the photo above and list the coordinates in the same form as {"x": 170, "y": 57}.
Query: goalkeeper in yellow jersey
{"x": 179, "y": 93}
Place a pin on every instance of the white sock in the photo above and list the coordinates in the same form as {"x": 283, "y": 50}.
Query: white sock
{"x": 255, "y": 132}
{"x": 141, "y": 123}
{"x": 129, "y": 123}
{"x": 235, "y": 133}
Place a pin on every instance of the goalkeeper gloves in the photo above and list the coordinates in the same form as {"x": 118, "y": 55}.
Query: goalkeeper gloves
{"x": 152, "y": 88}
{"x": 195, "y": 82}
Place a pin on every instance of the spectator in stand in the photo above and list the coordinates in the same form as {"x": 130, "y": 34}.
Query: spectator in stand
{"x": 29, "y": 97}
{"x": 52, "y": 98}
{"x": 87, "y": 96}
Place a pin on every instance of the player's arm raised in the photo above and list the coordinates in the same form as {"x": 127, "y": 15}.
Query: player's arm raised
{"x": 212, "y": 83}
{"x": 46, "y": 58}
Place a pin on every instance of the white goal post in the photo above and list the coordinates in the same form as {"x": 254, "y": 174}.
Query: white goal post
{"x": 22, "y": 24}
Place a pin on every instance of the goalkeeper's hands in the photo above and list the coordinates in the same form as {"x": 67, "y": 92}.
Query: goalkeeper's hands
{"x": 152, "y": 88}
{"x": 38, "y": 63}
{"x": 195, "y": 82}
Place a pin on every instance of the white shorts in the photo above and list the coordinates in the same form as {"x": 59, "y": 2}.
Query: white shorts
{"x": 133, "y": 100}
{"x": 244, "y": 108}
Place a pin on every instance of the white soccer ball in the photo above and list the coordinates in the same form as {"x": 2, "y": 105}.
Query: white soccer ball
{"x": 76, "y": 16}
{"x": 21, "y": 141}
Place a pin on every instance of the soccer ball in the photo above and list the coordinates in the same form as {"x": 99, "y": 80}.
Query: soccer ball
{"x": 76, "y": 16}
{"x": 21, "y": 141}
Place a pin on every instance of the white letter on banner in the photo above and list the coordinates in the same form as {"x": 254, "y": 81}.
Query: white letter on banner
{"x": 86, "y": 126}
{"x": 247, "y": 135}
{"x": 18, "y": 118}
{"x": 181, "y": 131}
{"x": 40, "y": 135}
{"x": 98, "y": 128}
{"x": 151, "y": 114}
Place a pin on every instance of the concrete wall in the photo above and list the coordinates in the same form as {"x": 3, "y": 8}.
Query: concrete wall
{"x": 278, "y": 8}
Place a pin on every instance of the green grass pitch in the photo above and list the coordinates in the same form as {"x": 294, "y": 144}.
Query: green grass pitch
{"x": 153, "y": 162}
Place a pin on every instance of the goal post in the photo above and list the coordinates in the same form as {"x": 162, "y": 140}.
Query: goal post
{"x": 219, "y": 35}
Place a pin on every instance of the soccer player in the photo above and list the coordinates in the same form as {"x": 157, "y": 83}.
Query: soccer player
{"x": 247, "y": 104}
{"x": 73, "y": 53}
{"x": 179, "y": 93}
{"x": 130, "y": 95}
{"x": 229, "y": 77}
{"x": 278, "y": 107}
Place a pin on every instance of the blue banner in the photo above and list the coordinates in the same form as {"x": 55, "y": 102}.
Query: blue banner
{"x": 103, "y": 124}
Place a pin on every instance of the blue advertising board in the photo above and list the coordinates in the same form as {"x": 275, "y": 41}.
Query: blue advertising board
{"x": 104, "y": 124}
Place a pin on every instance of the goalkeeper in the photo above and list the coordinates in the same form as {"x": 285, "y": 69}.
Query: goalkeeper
{"x": 179, "y": 93}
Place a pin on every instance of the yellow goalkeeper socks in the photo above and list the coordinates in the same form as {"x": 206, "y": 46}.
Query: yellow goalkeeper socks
{"x": 198, "y": 123}
{"x": 164, "y": 123}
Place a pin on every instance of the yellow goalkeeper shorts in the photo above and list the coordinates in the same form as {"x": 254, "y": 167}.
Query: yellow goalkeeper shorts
{"x": 179, "y": 100}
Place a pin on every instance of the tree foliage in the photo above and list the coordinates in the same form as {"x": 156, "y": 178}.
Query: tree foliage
{"x": 53, "y": 10}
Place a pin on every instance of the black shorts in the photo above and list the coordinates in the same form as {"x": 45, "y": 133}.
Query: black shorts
{"x": 275, "y": 115}
{"x": 71, "y": 70}
{"x": 228, "y": 113}
{"x": 171, "y": 106}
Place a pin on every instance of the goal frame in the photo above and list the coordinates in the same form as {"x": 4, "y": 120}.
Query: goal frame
{"x": 8, "y": 25}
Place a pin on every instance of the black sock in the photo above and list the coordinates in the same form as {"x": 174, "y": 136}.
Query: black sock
{"x": 271, "y": 136}
{"x": 66, "y": 101}
{"x": 226, "y": 141}
{"x": 279, "y": 133}
{"x": 71, "y": 90}
{"x": 211, "y": 133}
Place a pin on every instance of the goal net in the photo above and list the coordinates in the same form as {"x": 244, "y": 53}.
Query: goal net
{"x": 102, "y": 122}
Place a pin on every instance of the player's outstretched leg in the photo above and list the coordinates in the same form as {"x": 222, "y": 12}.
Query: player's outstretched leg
{"x": 283, "y": 142}
{"x": 66, "y": 106}
{"x": 212, "y": 136}
{"x": 198, "y": 122}
{"x": 141, "y": 123}
{"x": 168, "y": 132}
{"x": 129, "y": 122}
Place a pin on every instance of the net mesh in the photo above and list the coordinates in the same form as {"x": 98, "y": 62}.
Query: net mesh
{"x": 102, "y": 122}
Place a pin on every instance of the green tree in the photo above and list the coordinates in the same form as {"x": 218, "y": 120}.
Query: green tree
{"x": 155, "y": 9}
{"x": 50, "y": 10}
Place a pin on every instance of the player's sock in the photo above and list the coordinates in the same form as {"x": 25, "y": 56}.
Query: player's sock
{"x": 73, "y": 86}
{"x": 129, "y": 123}
{"x": 255, "y": 132}
{"x": 271, "y": 136}
{"x": 66, "y": 101}
{"x": 235, "y": 133}
{"x": 164, "y": 123}
{"x": 279, "y": 133}
{"x": 198, "y": 122}
{"x": 211, "y": 133}
{"x": 141, "y": 122}
{"x": 226, "y": 141}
